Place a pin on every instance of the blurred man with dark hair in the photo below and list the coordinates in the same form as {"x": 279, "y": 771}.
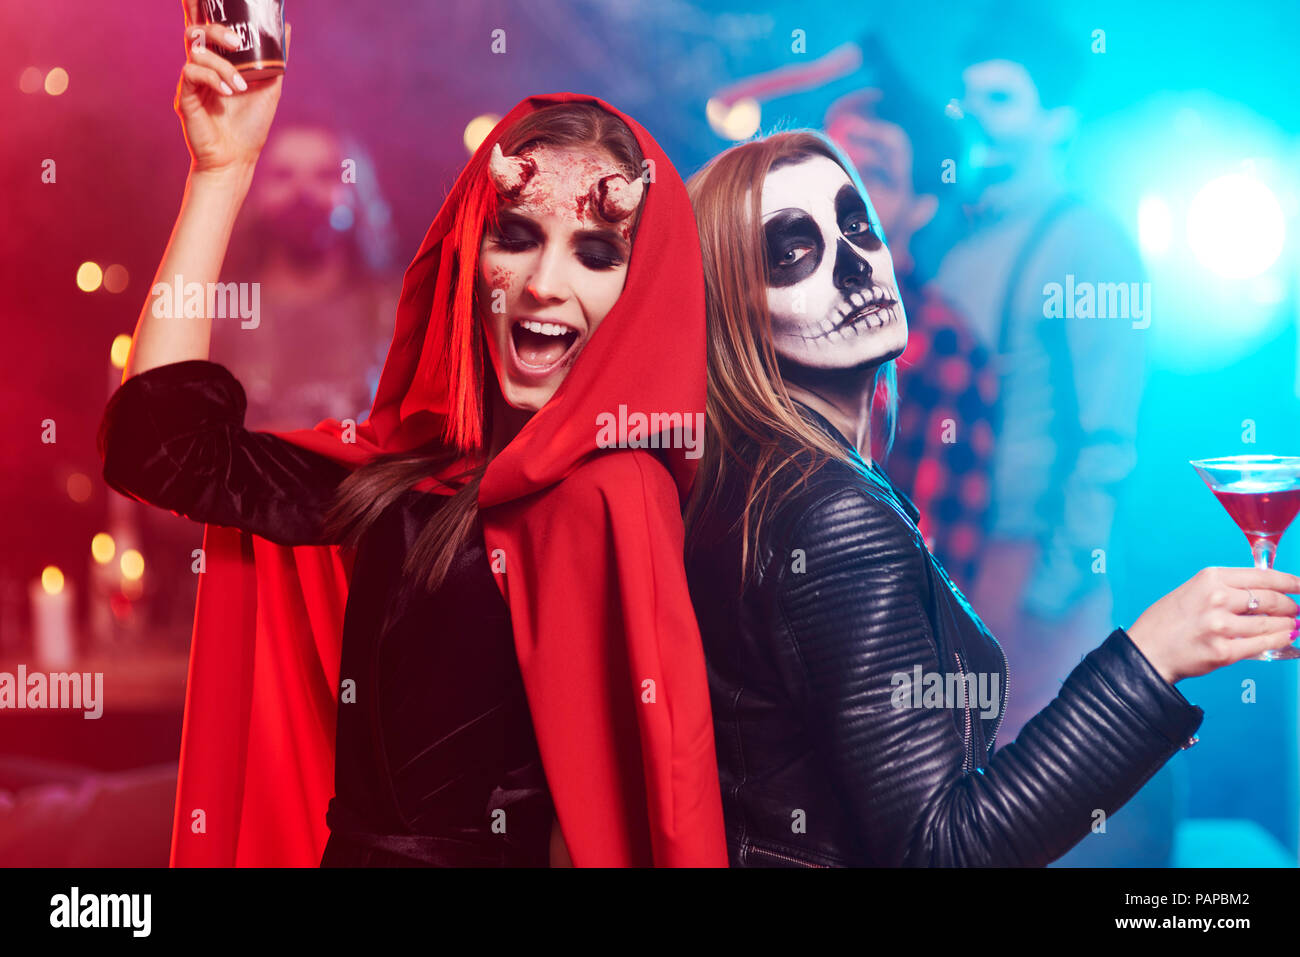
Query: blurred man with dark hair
{"x": 316, "y": 236}
{"x": 1070, "y": 381}
{"x": 942, "y": 453}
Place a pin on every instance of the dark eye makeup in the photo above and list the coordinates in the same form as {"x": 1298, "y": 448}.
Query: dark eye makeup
{"x": 794, "y": 246}
{"x": 854, "y": 219}
{"x": 598, "y": 254}
{"x": 516, "y": 234}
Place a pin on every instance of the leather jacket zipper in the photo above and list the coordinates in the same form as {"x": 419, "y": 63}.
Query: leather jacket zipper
{"x": 792, "y": 860}
{"x": 1006, "y": 692}
{"x": 1006, "y": 663}
{"x": 968, "y": 746}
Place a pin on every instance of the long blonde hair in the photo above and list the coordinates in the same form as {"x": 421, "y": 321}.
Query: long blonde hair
{"x": 748, "y": 404}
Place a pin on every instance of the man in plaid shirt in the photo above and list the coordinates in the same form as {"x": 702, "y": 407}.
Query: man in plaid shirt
{"x": 942, "y": 452}
{"x": 942, "y": 455}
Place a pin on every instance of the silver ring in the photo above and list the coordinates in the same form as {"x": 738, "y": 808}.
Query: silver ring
{"x": 1254, "y": 602}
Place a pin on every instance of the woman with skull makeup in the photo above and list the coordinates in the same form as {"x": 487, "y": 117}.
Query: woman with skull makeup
{"x": 856, "y": 694}
{"x": 459, "y": 632}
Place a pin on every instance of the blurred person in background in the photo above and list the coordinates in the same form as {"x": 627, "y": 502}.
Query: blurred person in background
{"x": 942, "y": 453}
{"x": 1069, "y": 387}
{"x": 317, "y": 237}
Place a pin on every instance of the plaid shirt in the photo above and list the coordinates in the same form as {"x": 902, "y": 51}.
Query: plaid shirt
{"x": 943, "y": 448}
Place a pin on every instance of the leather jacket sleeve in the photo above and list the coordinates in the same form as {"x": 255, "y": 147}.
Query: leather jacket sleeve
{"x": 856, "y": 619}
{"x": 174, "y": 436}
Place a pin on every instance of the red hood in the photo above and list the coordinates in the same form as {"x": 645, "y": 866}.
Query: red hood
{"x": 648, "y": 353}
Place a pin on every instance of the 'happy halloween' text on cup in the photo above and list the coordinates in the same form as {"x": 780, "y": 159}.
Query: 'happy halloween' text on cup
{"x": 259, "y": 24}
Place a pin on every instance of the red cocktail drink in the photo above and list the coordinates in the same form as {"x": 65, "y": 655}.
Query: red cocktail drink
{"x": 1262, "y": 494}
{"x": 1260, "y": 513}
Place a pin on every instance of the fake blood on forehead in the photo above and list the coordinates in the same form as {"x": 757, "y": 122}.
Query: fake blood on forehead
{"x": 562, "y": 182}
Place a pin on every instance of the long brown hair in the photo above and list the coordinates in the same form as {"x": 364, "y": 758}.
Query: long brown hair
{"x": 364, "y": 495}
{"x": 751, "y": 420}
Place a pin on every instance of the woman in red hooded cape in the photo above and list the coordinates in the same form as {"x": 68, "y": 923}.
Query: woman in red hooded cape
{"x": 586, "y": 547}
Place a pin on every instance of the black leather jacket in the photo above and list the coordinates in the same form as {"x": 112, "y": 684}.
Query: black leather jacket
{"x": 832, "y": 753}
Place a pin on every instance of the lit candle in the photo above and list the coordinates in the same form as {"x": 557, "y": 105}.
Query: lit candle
{"x": 52, "y": 601}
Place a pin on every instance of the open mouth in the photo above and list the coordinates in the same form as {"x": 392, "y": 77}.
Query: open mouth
{"x": 540, "y": 347}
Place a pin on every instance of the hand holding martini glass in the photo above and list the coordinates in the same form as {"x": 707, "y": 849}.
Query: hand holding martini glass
{"x": 1262, "y": 494}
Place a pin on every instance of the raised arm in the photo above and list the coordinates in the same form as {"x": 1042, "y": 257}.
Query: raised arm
{"x": 173, "y": 434}
{"x": 856, "y": 618}
{"x": 225, "y": 120}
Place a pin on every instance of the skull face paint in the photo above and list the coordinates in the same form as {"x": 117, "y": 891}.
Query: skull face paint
{"x": 832, "y": 294}
{"x": 555, "y": 266}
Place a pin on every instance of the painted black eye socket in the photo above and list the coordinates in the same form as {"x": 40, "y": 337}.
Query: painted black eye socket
{"x": 864, "y": 235}
{"x": 793, "y": 246}
{"x": 855, "y": 220}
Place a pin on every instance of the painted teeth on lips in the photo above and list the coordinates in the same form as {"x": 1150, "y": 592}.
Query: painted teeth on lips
{"x": 858, "y": 301}
{"x": 856, "y": 315}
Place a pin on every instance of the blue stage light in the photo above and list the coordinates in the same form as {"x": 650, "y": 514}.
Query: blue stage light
{"x": 1155, "y": 225}
{"x": 1235, "y": 226}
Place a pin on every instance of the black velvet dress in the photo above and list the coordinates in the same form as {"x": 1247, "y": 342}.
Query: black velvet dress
{"x": 439, "y": 741}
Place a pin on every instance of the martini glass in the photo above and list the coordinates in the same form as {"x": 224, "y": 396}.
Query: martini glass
{"x": 1262, "y": 494}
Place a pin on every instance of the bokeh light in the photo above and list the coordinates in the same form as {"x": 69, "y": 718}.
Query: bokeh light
{"x": 737, "y": 121}
{"x": 115, "y": 278}
{"x": 56, "y": 81}
{"x": 89, "y": 276}
{"x": 477, "y": 129}
{"x": 31, "y": 80}
{"x": 118, "y": 352}
{"x": 342, "y": 217}
{"x": 103, "y": 548}
{"x": 132, "y": 563}
{"x": 1155, "y": 225}
{"x": 52, "y": 579}
{"x": 79, "y": 487}
{"x": 1235, "y": 226}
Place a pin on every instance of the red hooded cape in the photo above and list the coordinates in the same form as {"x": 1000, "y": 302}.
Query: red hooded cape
{"x": 587, "y": 548}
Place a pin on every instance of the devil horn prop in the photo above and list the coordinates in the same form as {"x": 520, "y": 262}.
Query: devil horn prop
{"x": 615, "y": 198}
{"x": 510, "y": 174}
